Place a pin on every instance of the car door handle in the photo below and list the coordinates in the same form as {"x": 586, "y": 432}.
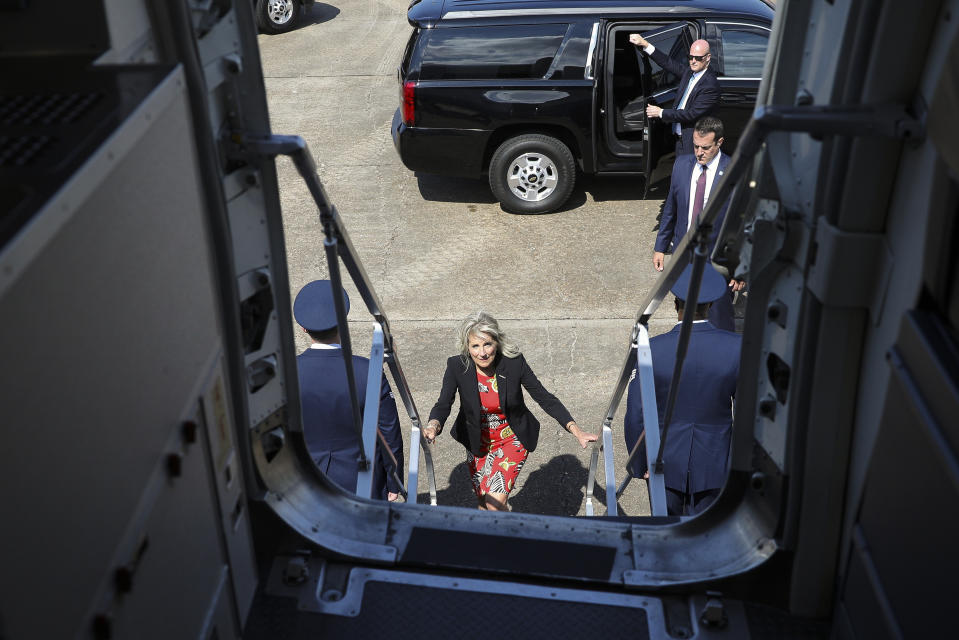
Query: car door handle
{"x": 734, "y": 97}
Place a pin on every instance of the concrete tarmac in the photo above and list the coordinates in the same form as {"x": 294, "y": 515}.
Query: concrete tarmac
{"x": 565, "y": 286}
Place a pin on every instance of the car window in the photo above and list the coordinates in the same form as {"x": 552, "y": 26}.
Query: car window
{"x": 676, "y": 42}
{"x": 743, "y": 53}
{"x": 520, "y": 51}
{"x": 405, "y": 61}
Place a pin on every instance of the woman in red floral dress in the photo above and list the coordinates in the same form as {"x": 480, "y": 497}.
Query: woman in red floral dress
{"x": 493, "y": 422}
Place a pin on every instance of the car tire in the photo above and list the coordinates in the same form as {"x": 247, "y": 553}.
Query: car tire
{"x": 532, "y": 173}
{"x": 278, "y": 16}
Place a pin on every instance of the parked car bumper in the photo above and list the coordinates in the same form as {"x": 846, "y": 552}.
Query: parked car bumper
{"x": 439, "y": 151}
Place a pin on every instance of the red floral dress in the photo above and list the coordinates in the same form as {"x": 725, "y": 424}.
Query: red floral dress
{"x": 495, "y": 472}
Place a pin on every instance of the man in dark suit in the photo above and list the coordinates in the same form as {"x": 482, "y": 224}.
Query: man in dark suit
{"x": 325, "y": 398}
{"x": 697, "y": 444}
{"x": 697, "y": 94}
{"x": 693, "y": 179}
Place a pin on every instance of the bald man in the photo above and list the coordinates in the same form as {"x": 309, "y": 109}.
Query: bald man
{"x": 696, "y": 96}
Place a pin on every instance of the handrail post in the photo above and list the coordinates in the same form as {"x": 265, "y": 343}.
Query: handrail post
{"x": 591, "y": 477}
{"x": 609, "y": 470}
{"x": 612, "y": 508}
{"x": 418, "y": 443}
{"x": 647, "y": 390}
{"x": 338, "y": 245}
{"x": 371, "y": 413}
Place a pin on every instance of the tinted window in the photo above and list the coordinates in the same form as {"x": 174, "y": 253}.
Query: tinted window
{"x": 524, "y": 51}
{"x": 405, "y": 62}
{"x": 743, "y": 53}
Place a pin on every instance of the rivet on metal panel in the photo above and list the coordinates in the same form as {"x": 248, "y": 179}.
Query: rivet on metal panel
{"x": 123, "y": 579}
{"x": 102, "y": 626}
{"x": 758, "y": 481}
{"x": 777, "y": 313}
{"x": 174, "y": 465}
{"x": 804, "y": 98}
{"x": 233, "y": 63}
{"x": 767, "y": 407}
{"x": 188, "y": 429}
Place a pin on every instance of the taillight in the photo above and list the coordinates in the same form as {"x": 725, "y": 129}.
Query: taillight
{"x": 409, "y": 103}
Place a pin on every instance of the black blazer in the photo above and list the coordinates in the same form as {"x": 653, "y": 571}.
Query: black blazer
{"x": 512, "y": 375}
{"x": 703, "y": 100}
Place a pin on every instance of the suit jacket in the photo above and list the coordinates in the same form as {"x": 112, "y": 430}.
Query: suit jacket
{"x": 697, "y": 445}
{"x": 512, "y": 375}
{"x": 674, "y": 222}
{"x": 703, "y": 100}
{"x": 328, "y": 419}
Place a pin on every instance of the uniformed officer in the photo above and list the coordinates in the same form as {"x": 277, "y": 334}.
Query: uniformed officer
{"x": 325, "y": 398}
{"x": 697, "y": 443}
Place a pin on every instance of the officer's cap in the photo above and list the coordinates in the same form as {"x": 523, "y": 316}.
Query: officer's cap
{"x": 313, "y": 307}
{"x": 712, "y": 288}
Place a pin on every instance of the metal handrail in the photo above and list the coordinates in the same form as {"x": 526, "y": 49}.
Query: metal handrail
{"x": 886, "y": 120}
{"x": 892, "y": 121}
{"x": 695, "y": 243}
{"x": 338, "y": 245}
{"x": 644, "y": 367}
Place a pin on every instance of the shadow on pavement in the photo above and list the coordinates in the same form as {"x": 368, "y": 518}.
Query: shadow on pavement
{"x": 321, "y": 12}
{"x": 458, "y": 493}
{"x": 436, "y": 188}
{"x": 556, "y": 489}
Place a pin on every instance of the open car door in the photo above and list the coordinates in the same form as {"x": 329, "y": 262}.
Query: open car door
{"x": 660, "y": 89}
{"x": 630, "y": 81}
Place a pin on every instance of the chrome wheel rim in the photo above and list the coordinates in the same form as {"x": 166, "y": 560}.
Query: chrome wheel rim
{"x": 532, "y": 177}
{"x": 280, "y": 11}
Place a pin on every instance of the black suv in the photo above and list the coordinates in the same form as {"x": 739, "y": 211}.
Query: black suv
{"x": 525, "y": 91}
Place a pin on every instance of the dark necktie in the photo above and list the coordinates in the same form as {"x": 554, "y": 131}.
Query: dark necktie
{"x": 700, "y": 195}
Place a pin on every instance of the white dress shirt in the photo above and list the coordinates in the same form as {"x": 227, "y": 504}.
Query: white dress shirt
{"x": 711, "y": 170}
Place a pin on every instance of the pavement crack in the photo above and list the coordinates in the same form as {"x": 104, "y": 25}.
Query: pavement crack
{"x": 549, "y": 345}
{"x": 572, "y": 352}
{"x": 388, "y": 250}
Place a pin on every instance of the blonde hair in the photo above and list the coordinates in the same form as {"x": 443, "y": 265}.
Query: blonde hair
{"x": 482, "y": 322}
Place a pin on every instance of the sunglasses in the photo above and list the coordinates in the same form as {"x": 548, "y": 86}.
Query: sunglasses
{"x": 697, "y": 58}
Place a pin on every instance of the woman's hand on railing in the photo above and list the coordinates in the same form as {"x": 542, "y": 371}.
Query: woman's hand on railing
{"x": 584, "y": 437}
